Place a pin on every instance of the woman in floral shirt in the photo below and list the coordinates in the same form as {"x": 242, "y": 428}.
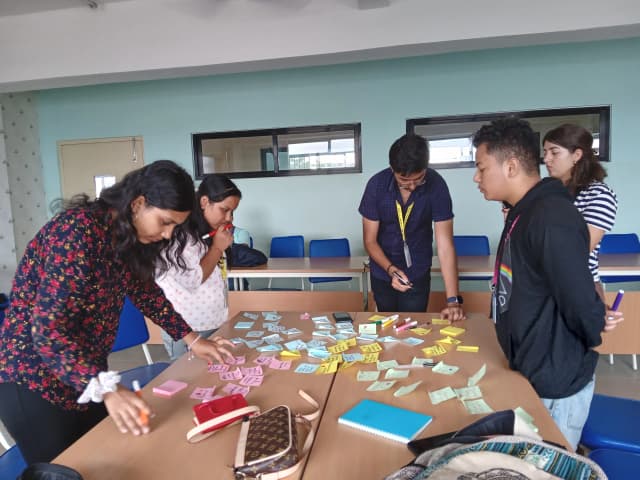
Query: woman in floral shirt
{"x": 65, "y": 304}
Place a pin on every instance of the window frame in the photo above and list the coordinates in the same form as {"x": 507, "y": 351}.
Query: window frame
{"x": 603, "y": 112}
{"x": 274, "y": 133}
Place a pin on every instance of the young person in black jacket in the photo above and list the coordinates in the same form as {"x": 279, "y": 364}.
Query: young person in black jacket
{"x": 548, "y": 316}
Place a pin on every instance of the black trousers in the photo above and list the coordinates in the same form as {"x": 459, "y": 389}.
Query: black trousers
{"x": 41, "y": 429}
{"x": 388, "y": 299}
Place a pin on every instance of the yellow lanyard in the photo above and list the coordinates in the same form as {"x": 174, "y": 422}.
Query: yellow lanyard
{"x": 402, "y": 220}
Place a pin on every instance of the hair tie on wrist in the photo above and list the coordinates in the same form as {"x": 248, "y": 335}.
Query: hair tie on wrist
{"x": 392, "y": 265}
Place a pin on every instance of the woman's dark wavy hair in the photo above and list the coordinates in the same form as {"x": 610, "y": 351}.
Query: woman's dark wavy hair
{"x": 588, "y": 169}
{"x": 216, "y": 188}
{"x": 164, "y": 185}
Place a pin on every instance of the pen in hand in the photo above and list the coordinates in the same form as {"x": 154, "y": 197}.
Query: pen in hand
{"x": 144, "y": 416}
{"x": 402, "y": 280}
{"x": 616, "y": 302}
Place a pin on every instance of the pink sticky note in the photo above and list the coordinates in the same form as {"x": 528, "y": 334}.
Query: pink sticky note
{"x": 217, "y": 368}
{"x": 263, "y": 359}
{"x": 252, "y": 380}
{"x": 200, "y": 393}
{"x": 169, "y": 388}
{"x": 279, "y": 364}
{"x": 252, "y": 370}
{"x": 232, "y": 375}
{"x": 232, "y": 388}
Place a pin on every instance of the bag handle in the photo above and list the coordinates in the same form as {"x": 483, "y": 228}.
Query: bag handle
{"x": 304, "y": 420}
{"x": 196, "y": 433}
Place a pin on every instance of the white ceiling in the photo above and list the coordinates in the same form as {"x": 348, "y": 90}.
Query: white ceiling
{"x": 57, "y": 43}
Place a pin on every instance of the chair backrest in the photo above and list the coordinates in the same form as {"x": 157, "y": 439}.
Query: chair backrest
{"x": 332, "y": 247}
{"x": 132, "y": 329}
{"x": 12, "y": 463}
{"x": 291, "y": 246}
{"x": 467, "y": 245}
{"x": 620, "y": 243}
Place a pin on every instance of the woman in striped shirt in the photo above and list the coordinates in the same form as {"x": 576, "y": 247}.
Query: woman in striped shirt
{"x": 569, "y": 156}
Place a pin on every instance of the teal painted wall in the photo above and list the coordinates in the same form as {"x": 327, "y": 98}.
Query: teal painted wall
{"x": 381, "y": 95}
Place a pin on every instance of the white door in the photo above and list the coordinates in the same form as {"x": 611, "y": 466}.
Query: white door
{"x": 86, "y": 166}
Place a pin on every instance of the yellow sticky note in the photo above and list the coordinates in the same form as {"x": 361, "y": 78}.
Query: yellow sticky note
{"x": 327, "y": 367}
{"x": 452, "y": 331}
{"x": 339, "y": 347}
{"x": 370, "y": 357}
{"x": 440, "y": 321}
{"x": 290, "y": 354}
{"x": 468, "y": 348}
{"x": 351, "y": 342}
{"x": 434, "y": 351}
{"x": 449, "y": 341}
{"x": 336, "y": 357}
{"x": 421, "y": 331}
{"x": 373, "y": 318}
{"x": 371, "y": 348}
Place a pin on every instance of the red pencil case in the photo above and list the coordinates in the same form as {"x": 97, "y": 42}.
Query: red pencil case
{"x": 216, "y": 414}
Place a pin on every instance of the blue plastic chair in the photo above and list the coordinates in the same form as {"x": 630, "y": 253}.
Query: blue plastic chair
{"x": 619, "y": 243}
{"x": 617, "y": 464}
{"x": 471, "y": 245}
{"x": 333, "y": 247}
{"x": 291, "y": 246}
{"x": 132, "y": 331}
{"x": 612, "y": 423}
{"x": 12, "y": 463}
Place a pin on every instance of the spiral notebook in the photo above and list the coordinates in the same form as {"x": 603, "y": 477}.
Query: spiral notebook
{"x": 388, "y": 421}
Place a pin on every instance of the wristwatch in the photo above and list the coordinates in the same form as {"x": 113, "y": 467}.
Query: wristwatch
{"x": 456, "y": 299}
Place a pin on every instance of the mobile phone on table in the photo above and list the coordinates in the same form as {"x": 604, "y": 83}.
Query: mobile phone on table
{"x": 342, "y": 317}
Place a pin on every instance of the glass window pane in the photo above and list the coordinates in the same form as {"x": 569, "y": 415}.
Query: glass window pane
{"x": 237, "y": 154}
{"x": 102, "y": 182}
{"x": 450, "y": 150}
{"x": 316, "y": 151}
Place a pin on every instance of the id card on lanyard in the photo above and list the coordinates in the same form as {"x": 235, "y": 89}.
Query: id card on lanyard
{"x": 402, "y": 220}
{"x": 222, "y": 265}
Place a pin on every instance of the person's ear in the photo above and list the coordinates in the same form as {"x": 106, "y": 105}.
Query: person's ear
{"x": 137, "y": 204}
{"x": 204, "y": 201}
{"x": 577, "y": 155}
{"x": 511, "y": 167}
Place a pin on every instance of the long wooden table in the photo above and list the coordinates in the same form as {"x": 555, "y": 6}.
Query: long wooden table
{"x": 338, "y": 451}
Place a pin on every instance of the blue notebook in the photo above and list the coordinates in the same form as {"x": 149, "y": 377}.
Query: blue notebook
{"x": 394, "y": 423}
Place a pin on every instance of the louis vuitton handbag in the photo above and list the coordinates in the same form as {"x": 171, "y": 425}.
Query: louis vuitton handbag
{"x": 268, "y": 447}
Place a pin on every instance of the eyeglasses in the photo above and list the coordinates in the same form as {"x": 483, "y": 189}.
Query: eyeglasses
{"x": 408, "y": 184}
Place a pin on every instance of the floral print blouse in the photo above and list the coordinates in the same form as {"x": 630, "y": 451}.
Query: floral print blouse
{"x": 65, "y": 306}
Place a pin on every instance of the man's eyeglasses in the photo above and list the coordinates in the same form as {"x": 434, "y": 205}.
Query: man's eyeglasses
{"x": 409, "y": 184}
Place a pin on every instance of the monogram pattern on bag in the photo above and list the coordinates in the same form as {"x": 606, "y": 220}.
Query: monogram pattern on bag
{"x": 272, "y": 436}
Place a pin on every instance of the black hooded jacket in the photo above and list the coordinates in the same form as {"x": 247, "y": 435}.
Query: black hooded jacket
{"x": 547, "y": 312}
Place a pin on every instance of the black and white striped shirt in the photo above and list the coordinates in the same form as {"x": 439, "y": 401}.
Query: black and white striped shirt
{"x": 598, "y": 205}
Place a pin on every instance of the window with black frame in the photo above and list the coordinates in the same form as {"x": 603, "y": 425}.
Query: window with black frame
{"x": 315, "y": 150}
{"x": 450, "y": 138}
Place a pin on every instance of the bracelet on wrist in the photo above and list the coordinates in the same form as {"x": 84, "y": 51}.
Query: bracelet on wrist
{"x": 389, "y": 267}
{"x": 190, "y": 346}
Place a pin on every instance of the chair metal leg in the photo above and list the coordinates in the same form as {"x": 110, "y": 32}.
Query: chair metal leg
{"x": 634, "y": 361}
{"x": 147, "y": 354}
{"x": 302, "y": 283}
{"x": 611, "y": 359}
{"x": 4, "y": 442}
{"x": 311, "y": 286}
{"x": 269, "y": 284}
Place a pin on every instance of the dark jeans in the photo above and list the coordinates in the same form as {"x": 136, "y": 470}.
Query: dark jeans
{"x": 388, "y": 299}
{"x": 41, "y": 429}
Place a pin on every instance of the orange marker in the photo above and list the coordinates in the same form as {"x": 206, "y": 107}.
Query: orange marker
{"x": 144, "y": 416}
